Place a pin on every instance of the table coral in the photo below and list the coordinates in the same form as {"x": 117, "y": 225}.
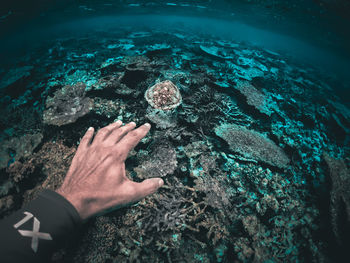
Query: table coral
{"x": 252, "y": 144}
{"x": 254, "y": 97}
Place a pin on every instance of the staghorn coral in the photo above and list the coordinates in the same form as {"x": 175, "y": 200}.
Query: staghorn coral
{"x": 67, "y": 105}
{"x": 216, "y": 227}
{"x": 252, "y": 144}
{"x": 163, "y": 96}
{"x": 169, "y": 214}
{"x": 172, "y": 210}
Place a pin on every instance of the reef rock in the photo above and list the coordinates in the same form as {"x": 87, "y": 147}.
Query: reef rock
{"x": 160, "y": 163}
{"x": 67, "y": 105}
{"x": 163, "y": 96}
{"x": 252, "y": 144}
{"x": 219, "y": 52}
{"x": 6, "y": 203}
{"x": 340, "y": 193}
{"x": 16, "y": 148}
{"x": 113, "y": 84}
{"x": 162, "y": 119}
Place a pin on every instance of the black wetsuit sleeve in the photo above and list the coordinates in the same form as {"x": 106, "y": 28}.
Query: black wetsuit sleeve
{"x": 34, "y": 232}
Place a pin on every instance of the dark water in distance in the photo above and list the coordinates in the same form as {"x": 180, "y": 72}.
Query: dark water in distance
{"x": 315, "y": 32}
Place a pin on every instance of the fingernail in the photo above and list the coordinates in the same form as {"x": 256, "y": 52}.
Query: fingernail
{"x": 147, "y": 125}
{"x": 133, "y": 123}
{"x": 90, "y": 129}
{"x": 118, "y": 122}
{"x": 160, "y": 182}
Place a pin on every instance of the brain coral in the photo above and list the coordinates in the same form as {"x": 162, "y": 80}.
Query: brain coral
{"x": 252, "y": 144}
{"x": 163, "y": 96}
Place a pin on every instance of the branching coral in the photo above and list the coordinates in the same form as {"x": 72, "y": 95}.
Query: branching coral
{"x": 170, "y": 214}
{"x": 171, "y": 209}
{"x": 216, "y": 194}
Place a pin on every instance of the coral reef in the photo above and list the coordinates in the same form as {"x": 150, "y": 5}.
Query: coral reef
{"x": 67, "y": 105}
{"x": 241, "y": 149}
{"x": 160, "y": 163}
{"x": 162, "y": 119}
{"x": 14, "y": 76}
{"x": 54, "y": 159}
{"x": 340, "y": 193}
{"x": 6, "y": 204}
{"x": 169, "y": 213}
{"x": 219, "y": 52}
{"x": 216, "y": 193}
{"x": 17, "y": 148}
{"x": 98, "y": 242}
{"x": 254, "y": 97}
{"x": 252, "y": 144}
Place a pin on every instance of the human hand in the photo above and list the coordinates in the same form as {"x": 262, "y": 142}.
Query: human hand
{"x": 96, "y": 179}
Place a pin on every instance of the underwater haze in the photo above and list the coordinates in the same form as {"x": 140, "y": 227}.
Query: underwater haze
{"x": 252, "y": 141}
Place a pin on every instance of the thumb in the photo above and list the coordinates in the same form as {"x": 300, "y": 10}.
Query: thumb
{"x": 147, "y": 187}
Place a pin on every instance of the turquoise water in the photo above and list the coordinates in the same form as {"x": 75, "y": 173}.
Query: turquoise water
{"x": 255, "y": 154}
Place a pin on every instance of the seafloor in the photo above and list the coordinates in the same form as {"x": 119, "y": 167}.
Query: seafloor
{"x": 255, "y": 158}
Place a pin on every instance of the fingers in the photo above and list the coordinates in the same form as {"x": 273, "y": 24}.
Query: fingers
{"x": 130, "y": 140}
{"x": 103, "y": 133}
{"x": 145, "y": 188}
{"x": 86, "y": 140}
{"x": 118, "y": 134}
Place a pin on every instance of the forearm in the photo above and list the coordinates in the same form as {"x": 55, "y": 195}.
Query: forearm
{"x": 34, "y": 232}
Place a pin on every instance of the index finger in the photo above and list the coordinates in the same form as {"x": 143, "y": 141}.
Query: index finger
{"x": 130, "y": 140}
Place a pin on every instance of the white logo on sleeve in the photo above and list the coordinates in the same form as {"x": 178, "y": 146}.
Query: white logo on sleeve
{"x": 35, "y": 234}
